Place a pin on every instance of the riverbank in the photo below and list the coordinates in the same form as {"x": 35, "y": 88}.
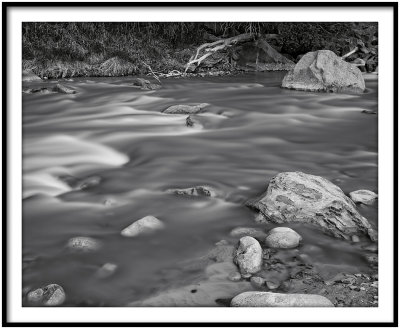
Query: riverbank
{"x": 64, "y": 50}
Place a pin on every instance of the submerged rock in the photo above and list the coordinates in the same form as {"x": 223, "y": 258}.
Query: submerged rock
{"x": 50, "y": 295}
{"x": 42, "y": 90}
{"x": 83, "y": 244}
{"x": 295, "y": 197}
{"x": 249, "y": 231}
{"x": 28, "y": 75}
{"x": 185, "y": 109}
{"x": 369, "y": 112}
{"x": 248, "y": 255}
{"x": 271, "y": 299}
{"x": 63, "y": 89}
{"x": 363, "y": 196}
{"x": 195, "y": 191}
{"x": 145, "y": 84}
{"x": 144, "y": 225}
{"x": 322, "y": 70}
{"x": 282, "y": 237}
{"x": 106, "y": 270}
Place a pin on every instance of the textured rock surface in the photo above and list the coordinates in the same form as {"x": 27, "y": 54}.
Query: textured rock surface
{"x": 63, "y": 89}
{"x": 28, "y": 75}
{"x": 144, "y": 225}
{"x": 185, "y": 109}
{"x": 145, "y": 84}
{"x": 248, "y": 255}
{"x": 363, "y": 196}
{"x": 83, "y": 244}
{"x": 322, "y": 70}
{"x": 270, "y": 299}
{"x": 249, "y": 231}
{"x": 50, "y": 295}
{"x": 195, "y": 191}
{"x": 282, "y": 237}
{"x": 303, "y": 198}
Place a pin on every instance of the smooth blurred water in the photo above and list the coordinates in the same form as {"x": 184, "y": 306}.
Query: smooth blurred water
{"x": 251, "y": 131}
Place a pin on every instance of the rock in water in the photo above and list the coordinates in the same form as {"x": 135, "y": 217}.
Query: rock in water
{"x": 322, "y": 70}
{"x": 248, "y": 255}
{"x": 185, "y": 109}
{"x": 144, "y": 225}
{"x": 145, "y": 84}
{"x": 249, "y": 231}
{"x": 271, "y": 299}
{"x": 195, "y": 191}
{"x": 83, "y": 244}
{"x": 63, "y": 89}
{"x": 106, "y": 270}
{"x": 28, "y": 75}
{"x": 298, "y": 197}
{"x": 282, "y": 237}
{"x": 51, "y": 295}
{"x": 363, "y": 196}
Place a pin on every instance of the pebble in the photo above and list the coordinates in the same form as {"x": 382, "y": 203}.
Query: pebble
{"x": 248, "y": 255}
{"x": 106, "y": 270}
{"x": 257, "y": 282}
{"x": 272, "y": 285}
{"x": 355, "y": 238}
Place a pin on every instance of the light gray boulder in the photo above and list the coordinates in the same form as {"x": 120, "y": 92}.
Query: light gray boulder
{"x": 144, "y": 225}
{"x": 28, "y": 75}
{"x": 83, "y": 244}
{"x": 322, "y": 70}
{"x": 282, "y": 237}
{"x": 185, "y": 109}
{"x": 296, "y": 197}
{"x": 271, "y": 299}
{"x": 363, "y": 196}
{"x": 195, "y": 191}
{"x": 248, "y": 256}
{"x": 50, "y": 295}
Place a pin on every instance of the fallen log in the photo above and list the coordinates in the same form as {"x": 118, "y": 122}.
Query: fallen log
{"x": 213, "y": 47}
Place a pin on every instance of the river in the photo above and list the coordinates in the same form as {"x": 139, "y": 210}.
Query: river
{"x": 116, "y": 136}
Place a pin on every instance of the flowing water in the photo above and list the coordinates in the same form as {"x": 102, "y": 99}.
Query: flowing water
{"x": 113, "y": 141}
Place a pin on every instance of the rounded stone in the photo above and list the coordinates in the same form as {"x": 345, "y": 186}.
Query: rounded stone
{"x": 50, "y": 295}
{"x": 248, "y": 255}
{"x": 363, "y": 196}
{"x": 282, "y": 237}
{"x": 83, "y": 244}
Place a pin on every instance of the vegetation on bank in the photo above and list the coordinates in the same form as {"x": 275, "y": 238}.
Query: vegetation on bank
{"x": 69, "y": 49}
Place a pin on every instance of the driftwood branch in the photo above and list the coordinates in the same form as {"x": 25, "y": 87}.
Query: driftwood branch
{"x": 350, "y": 53}
{"x": 212, "y": 47}
{"x": 152, "y": 73}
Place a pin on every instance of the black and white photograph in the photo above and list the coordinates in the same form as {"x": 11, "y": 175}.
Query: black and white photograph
{"x": 201, "y": 163}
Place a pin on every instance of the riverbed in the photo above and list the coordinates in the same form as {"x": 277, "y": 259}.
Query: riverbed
{"x": 100, "y": 159}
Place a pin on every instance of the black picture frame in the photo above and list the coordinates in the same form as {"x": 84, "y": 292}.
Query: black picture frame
{"x": 6, "y": 6}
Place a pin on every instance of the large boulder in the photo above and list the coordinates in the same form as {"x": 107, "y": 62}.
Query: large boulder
{"x": 248, "y": 256}
{"x": 271, "y": 299}
{"x": 322, "y": 70}
{"x": 302, "y": 198}
{"x": 144, "y": 225}
{"x": 28, "y": 75}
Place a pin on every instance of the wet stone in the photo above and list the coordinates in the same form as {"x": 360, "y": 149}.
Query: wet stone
{"x": 50, "y": 295}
